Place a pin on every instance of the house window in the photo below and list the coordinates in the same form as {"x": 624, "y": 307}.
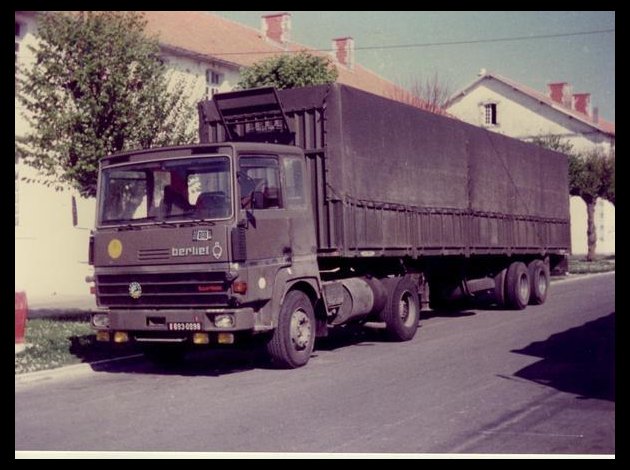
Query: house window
{"x": 213, "y": 78}
{"x": 491, "y": 114}
{"x": 213, "y": 82}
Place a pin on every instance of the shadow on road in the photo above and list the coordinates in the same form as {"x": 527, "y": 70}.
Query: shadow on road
{"x": 211, "y": 363}
{"x": 229, "y": 360}
{"x": 350, "y": 335}
{"x": 580, "y": 360}
{"x": 448, "y": 313}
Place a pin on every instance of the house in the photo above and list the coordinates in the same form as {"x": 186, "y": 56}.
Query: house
{"x": 207, "y": 52}
{"x": 502, "y": 105}
{"x": 193, "y": 41}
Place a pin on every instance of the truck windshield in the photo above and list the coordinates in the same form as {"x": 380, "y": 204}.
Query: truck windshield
{"x": 179, "y": 189}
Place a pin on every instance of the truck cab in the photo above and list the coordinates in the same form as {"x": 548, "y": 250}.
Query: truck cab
{"x": 200, "y": 244}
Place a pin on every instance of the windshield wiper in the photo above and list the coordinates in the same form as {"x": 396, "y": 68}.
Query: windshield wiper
{"x": 190, "y": 223}
{"x": 128, "y": 227}
{"x": 166, "y": 224}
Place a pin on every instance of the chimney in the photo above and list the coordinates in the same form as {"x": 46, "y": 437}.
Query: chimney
{"x": 596, "y": 115}
{"x": 582, "y": 103}
{"x": 276, "y": 27}
{"x": 560, "y": 93}
{"x": 343, "y": 51}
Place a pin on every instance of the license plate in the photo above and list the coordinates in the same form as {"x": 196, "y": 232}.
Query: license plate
{"x": 184, "y": 326}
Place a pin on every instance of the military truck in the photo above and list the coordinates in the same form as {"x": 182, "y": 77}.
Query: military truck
{"x": 306, "y": 209}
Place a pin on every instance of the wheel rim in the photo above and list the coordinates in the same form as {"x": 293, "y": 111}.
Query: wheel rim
{"x": 300, "y": 329}
{"x": 542, "y": 283}
{"x": 406, "y": 308}
{"x": 523, "y": 288}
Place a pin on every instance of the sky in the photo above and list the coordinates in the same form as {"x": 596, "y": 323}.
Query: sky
{"x": 586, "y": 62}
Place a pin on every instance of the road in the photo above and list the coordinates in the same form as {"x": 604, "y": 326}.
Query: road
{"x": 477, "y": 381}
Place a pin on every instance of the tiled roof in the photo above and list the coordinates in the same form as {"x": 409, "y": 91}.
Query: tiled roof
{"x": 602, "y": 125}
{"x": 213, "y": 36}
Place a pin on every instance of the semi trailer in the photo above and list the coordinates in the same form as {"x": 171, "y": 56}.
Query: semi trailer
{"x": 305, "y": 209}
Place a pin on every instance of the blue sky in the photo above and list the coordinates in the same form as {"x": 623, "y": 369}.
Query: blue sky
{"x": 586, "y": 62}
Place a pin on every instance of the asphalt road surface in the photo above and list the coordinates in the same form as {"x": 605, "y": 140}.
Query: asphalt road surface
{"x": 476, "y": 381}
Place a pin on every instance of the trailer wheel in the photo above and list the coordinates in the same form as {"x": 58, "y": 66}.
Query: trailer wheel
{"x": 402, "y": 310}
{"x": 293, "y": 339}
{"x": 517, "y": 287}
{"x": 539, "y": 281}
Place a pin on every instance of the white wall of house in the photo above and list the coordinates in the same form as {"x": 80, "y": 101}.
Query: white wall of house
{"x": 51, "y": 253}
{"x": 522, "y": 117}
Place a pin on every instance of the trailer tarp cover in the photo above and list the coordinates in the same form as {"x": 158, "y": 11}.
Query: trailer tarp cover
{"x": 370, "y": 150}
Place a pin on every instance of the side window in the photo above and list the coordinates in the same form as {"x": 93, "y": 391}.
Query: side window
{"x": 259, "y": 182}
{"x": 294, "y": 181}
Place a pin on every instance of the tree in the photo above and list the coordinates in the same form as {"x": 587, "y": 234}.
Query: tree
{"x": 591, "y": 176}
{"x": 430, "y": 94}
{"x": 97, "y": 87}
{"x": 289, "y": 71}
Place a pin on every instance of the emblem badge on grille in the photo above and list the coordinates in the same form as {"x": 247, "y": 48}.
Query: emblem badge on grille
{"x": 135, "y": 290}
{"x": 200, "y": 235}
{"x": 217, "y": 251}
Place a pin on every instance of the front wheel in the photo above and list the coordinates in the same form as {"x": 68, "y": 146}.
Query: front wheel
{"x": 293, "y": 339}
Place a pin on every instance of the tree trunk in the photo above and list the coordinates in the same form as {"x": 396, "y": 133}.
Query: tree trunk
{"x": 591, "y": 234}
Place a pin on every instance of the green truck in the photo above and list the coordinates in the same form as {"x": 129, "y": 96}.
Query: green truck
{"x": 305, "y": 209}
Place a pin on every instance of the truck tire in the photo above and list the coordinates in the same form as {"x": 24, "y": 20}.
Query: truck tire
{"x": 539, "y": 281}
{"x": 293, "y": 339}
{"x": 402, "y": 310}
{"x": 517, "y": 286}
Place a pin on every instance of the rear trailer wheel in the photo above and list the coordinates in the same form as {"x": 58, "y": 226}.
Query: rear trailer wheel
{"x": 402, "y": 310}
{"x": 293, "y": 339}
{"x": 517, "y": 286}
{"x": 539, "y": 281}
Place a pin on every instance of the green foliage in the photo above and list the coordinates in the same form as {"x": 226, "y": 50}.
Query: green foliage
{"x": 97, "y": 87}
{"x": 554, "y": 142}
{"x": 600, "y": 264}
{"x": 289, "y": 71}
{"x": 591, "y": 173}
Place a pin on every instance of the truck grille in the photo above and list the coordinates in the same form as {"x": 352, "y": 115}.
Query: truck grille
{"x": 154, "y": 254}
{"x": 200, "y": 289}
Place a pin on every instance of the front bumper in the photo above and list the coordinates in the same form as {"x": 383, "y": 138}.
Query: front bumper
{"x": 157, "y": 321}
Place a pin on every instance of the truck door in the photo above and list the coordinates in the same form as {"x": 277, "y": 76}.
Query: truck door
{"x": 268, "y": 227}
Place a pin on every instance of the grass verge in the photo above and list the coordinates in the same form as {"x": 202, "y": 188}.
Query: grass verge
{"x": 602, "y": 264}
{"x": 62, "y": 342}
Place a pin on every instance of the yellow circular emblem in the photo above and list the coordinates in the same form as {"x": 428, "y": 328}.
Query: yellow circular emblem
{"x": 114, "y": 249}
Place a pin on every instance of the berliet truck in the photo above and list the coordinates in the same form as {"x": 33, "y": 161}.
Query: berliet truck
{"x": 306, "y": 209}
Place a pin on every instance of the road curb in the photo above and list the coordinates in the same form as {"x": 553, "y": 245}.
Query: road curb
{"x": 67, "y": 371}
{"x": 577, "y": 277}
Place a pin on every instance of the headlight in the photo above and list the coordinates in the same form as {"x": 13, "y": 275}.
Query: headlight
{"x": 100, "y": 320}
{"x": 224, "y": 321}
